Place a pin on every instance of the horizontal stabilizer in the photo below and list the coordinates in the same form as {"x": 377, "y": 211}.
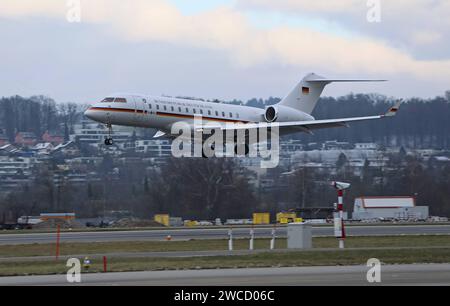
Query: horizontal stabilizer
{"x": 342, "y": 80}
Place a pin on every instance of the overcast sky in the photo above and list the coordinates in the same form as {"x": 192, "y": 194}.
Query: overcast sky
{"x": 222, "y": 49}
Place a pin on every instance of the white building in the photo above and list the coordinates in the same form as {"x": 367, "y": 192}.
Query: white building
{"x": 18, "y": 165}
{"x": 366, "y": 146}
{"x": 400, "y": 208}
{"x": 94, "y": 133}
{"x": 43, "y": 148}
{"x": 155, "y": 148}
{"x": 291, "y": 145}
{"x": 15, "y": 172}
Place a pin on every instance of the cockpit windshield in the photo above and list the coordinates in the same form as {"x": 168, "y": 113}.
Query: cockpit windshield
{"x": 116, "y": 100}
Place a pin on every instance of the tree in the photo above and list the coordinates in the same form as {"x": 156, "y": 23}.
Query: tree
{"x": 203, "y": 188}
{"x": 342, "y": 161}
{"x": 367, "y": 173}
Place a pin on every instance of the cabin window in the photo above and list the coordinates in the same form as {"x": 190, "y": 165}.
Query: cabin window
{"x": 237, "y": 115}
{"x": 144, "y": 100}
{"x": 223, "y": 114}
{"x": 120, "y": 100}
{"x": 149, "y": 106}
{"x": 165, "y": 107}
{"x": 194, "y": 110}
{"x": 157, "y": 106}
{"x": 106, "y": 100}
{"x": 201, "y": 111}
{"x": 179, "y": 109}
{"x": 172, "y": 109}
{"x": 187, "y": 110}
{"x": 231, "y": 115}
{"x": 209, "y": 113}
{"x": 217, "y": 113}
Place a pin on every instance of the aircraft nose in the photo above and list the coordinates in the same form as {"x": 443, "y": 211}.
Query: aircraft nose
{"x": 89, "y": 113}
{"x": 94, "y": 114}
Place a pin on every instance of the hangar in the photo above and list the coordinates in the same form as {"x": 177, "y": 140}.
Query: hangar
{"x": 399, "y": 208}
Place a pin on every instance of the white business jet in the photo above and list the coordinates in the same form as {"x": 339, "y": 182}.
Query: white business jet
{"x": 291, "y": 115}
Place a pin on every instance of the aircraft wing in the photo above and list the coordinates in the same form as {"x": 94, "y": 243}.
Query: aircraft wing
{"x": 308, "y": 126}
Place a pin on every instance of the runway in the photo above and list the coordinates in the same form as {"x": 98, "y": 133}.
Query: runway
{"x": 430, "y": 274}
{"x": 214, "y": 233}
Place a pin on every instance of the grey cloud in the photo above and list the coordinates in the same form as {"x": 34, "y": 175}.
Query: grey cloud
{"x": 422, "y": 27}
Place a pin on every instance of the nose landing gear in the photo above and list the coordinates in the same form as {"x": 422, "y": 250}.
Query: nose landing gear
{"x": 109, "y": 140}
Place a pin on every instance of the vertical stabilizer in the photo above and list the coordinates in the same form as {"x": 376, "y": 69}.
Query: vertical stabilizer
{"x": 306, "y": 94}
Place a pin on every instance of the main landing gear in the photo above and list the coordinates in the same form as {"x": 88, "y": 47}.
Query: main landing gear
{"x": 109, "y": 140}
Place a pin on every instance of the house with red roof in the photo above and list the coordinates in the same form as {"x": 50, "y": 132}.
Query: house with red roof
{"x": 3, "y": 140}
{"x": 53, "y": 138}
{"x": 26, "y": 139}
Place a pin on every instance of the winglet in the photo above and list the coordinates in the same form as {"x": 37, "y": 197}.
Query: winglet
{"x": 393, "y": 110}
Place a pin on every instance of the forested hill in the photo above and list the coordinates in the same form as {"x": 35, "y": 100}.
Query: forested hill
{"x": 419, "y": 124}
{"x": 37, "y": 114}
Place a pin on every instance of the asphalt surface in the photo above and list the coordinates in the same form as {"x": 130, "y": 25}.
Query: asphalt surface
{"x": 430, "y": 274}
{"x": 214, "y": 233}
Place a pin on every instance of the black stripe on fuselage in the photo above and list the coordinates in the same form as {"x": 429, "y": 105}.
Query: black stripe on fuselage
{"x": 120, "y": 110}
{"x": 163, "y": 114}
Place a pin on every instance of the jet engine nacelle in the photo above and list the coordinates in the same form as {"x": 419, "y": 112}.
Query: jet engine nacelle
{"x": 271, "y": 114}
{"x": 282, "y": 113}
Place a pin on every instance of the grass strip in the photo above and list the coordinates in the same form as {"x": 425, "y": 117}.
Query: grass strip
{"x": 283, "y": 259}
{"x": 31, "y": 250}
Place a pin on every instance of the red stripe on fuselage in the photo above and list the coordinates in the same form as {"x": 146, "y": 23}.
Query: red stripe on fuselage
{"x": 161, "y": 114}
{"x": 120, "y": 110}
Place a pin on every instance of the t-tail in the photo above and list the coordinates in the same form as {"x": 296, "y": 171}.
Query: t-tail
{"x": 306, "y": 94}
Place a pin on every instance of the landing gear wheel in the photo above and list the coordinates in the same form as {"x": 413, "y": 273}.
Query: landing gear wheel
{"x": 109, "y": 141}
